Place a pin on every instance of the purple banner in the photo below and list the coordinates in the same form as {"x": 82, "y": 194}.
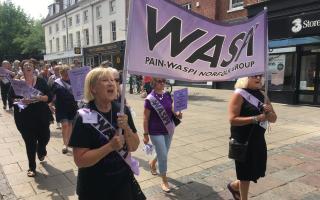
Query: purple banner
{"x": 166, "y": 40}
{"x": 180, "y": 98}
{"x": 77, "y": 77}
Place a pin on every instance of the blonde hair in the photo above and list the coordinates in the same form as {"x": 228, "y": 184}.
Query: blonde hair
{"x": 64, "y": 69}
{"x": 91, "y": 79}
{"x": 242, "y": 83}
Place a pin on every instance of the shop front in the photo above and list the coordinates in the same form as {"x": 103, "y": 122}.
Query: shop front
{"x": 113, "y": 52}
{"x": 294, "y": 50}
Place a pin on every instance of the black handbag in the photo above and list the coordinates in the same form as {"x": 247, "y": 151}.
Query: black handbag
{"x": 176, "y": 120}
{"x": 237, "y": 150}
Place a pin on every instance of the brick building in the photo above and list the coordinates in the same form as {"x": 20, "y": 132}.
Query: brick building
{"x": 294, "y": 43}
{"x": 222, "y": 10}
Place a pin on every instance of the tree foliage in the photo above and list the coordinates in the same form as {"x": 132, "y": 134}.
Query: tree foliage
{"x": 20, "y": 36}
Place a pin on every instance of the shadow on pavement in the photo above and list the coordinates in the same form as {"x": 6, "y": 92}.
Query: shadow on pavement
{"x": 193, "y": 190}
{"x": 204, "y": 98}
{"x": 54, "y": 180}
{"x": 143, "y": 163}
{"x": 183, "y": 191}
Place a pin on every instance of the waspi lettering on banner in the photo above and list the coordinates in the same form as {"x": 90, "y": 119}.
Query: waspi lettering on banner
{"x": 168, "y": 41}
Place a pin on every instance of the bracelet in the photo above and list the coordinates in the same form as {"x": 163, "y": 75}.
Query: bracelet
{"x": 255, "y": 120}
{"x": 145, "y": 134}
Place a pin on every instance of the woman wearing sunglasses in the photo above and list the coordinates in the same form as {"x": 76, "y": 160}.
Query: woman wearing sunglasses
{"x": 159, "y": 126}
{"x": 248, "y": 116}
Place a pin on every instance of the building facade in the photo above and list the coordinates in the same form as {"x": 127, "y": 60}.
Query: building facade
{"x": 294, "y": 49}
{"x": 90, "y": 31}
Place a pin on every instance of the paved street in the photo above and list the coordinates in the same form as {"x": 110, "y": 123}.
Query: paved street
{"x": 198, "y": 163}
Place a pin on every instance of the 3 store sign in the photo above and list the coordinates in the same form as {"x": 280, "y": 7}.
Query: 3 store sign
{"x": 299, "y": 24}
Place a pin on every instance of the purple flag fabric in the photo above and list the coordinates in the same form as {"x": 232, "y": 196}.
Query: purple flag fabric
{"x": 166, "y": 40}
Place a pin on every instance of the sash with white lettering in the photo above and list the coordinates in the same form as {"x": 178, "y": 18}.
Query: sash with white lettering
{"x": 105, "y": 128}
{"x": 162, "y": 113}
{"x": 253, "y": 101}
{"x": 64, "y": 84}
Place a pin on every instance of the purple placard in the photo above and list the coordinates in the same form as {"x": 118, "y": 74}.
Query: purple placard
{"x": 4, "y": 73}
{"x": 21, "y": 88}
{"x": 77, "y": 77}
{"x": 180, "y": 98}
{"x": 177, "y": 44}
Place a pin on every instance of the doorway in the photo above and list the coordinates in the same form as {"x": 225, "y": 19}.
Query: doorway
{"x": 309, "y": 87}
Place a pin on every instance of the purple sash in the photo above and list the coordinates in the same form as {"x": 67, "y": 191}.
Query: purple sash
{"x": 253, "y": 101}
{"x": 105, "y": 128}
{"x": 64, "y": 84}
{"x": 162, "y": 113}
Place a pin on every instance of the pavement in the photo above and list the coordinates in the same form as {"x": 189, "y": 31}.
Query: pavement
{"x": 198, "y": 166}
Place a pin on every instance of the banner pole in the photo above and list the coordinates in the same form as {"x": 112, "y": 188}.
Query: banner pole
{"x": 266, "y": 75}
{"x": 125, "y": 67}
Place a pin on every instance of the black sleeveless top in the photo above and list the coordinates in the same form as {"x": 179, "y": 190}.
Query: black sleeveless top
{"x": 255, "y": 165}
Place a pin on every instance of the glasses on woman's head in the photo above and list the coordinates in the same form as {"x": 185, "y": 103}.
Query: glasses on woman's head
{"x": 161, "y": 81}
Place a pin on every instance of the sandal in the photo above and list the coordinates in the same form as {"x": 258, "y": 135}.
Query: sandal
{"x": 31, "y": 173}
{"x": 64, "y": 149}
{"x": 235, "y": 194}
{"x": 153, "y": 170}
{"x": 165, "y": 188}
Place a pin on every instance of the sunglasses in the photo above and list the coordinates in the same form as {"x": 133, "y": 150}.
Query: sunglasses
{"x": 257, "y": 76}
{"x": 161, "y": 81}
{"x": 28, "y": 65}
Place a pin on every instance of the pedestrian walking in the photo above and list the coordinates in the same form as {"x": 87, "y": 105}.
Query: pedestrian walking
{"x": 147, "y": 84}
{"x": 33, "y": 121}
{"x": 5, "y": 86}
{"x": 248, "y": 116}
{"x": 99, "y": 150}
{"x": 159, "y": 126}
{"x": 65, "y": 105}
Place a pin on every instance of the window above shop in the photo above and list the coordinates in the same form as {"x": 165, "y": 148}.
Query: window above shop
{"x": 187, "y": 6}
{"x": 235, "y": 5}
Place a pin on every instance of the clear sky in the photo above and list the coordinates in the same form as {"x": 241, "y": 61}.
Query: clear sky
{"x": 33, "y": 8}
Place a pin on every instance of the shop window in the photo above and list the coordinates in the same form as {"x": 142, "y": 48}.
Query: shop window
{"x": 282, "y": 68}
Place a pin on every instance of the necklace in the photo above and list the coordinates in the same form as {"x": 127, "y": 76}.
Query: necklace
{"x": 160, "y": 97}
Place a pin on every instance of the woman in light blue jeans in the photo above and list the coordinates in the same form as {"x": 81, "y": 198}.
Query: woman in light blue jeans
{"x": 154, "y": 126}
{"x": 162, "y": 145}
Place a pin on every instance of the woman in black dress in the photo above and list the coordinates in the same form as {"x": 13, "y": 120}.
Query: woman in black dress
{"x": 97, "y": 143}
{"x": 246, "y": 118}
{"x": 66, "y": 105}
{"x": 33, "y": 121}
